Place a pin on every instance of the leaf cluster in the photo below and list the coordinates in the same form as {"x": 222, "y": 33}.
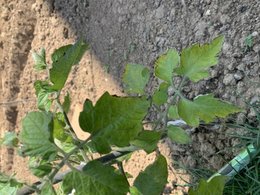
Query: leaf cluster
{"x": 115, "y": 124}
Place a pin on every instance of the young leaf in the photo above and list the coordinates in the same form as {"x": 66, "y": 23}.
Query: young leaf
{"x": 165, "y": 65}
{"x": 196, "y": 59}
{"x": 39, "y": 167}
{"x": 160, "y": 96}
{"x": 39, "y": 60}
{"x": 134, "y": 191}
{"x": 118, "y": 120}
{"x": 204, "y": 107}
{"x": 36, "y": 134}
{"x": 178, "y": 135}
{"x": 48, "y": 189}
{"x": 8, "y": 189}
{"x": 173, "y": 112}
{"x": 62, "y": 66}
{"x": 135, "y": 78}
{"x": 66, "y": 103}
{"x": 10, "y": 139}
{"x": 214, "y": 187}
{"x": 43, "y": 91}
{"x": 147, "y": 140}
{"x": 153, "y": 179}
{"x": 8, "y": 185}
{"x": 95, "y": 179}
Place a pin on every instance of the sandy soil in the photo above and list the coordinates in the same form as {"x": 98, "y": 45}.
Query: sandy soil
{"x": 118, "y": 32}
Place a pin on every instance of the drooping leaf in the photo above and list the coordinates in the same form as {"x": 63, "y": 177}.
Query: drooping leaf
{"x": 204, "y": 107}
{"x": 66, "y": 103}
{"x": 62, "y": 66}
{"x": 39, "y": 60}
{"x": 39, "y": 167}
{"x": 147, "y": 140}
{"x": 95, "y": 179}
{"x": 117, "y": 120}
{"x": 47, "y": 189}
{"x": 214, "y": 187}
{"x": 10, "y": 139}
{"x": 36, "y": 135}
{"x": 173, "y": 112}
{"x": 135, "y": 78}
{"x": 196, "y": 59}
{"x": 178, "y": 135}
{"x": 165, "y": 65}
{"x": 161, "y": 95}
{"x": 153, "y": 179}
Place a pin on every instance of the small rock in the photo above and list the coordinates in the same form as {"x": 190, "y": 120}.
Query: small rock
{"x": 229, "y": 79}
{"x": 240, "y": 87}
{"x": 251, "y": 113}
{"x": 207, "y": 13}
{"x": 256, "y": 48}
{"x": 241, "y": 67}
{"x": 226, "y": 47}
{"x": 159, "y": 14}
{"x": 241, "y": 118}
{"x": 238, "y": 76}
{"x": 255, "y": 33}
{"x": 254, "y": 99}
{"x": 5, "y": 14}
{"x": 216, "y": 161}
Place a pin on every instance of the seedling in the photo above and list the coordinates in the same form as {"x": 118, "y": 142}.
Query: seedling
{"x": 115, "y": 124}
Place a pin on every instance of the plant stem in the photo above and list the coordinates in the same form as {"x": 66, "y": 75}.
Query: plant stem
{"x": 71, "y": 130}
{"x": 121, "y": 168}
{"x": 168, "y": 104}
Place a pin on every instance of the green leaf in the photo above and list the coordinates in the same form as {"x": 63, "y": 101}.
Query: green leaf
{"x": 196, "y": 59}
{"x": 135, "y": 78}
{"x": 7, "y": 189}
{"x": 8, "y": 185}
{"x": 59, "y": 53}
{"x": 153, "y": 179}
{"x": 39, "y": 60}
{"x": 165, "y": 65}
{"x": 173, "y": 112}
{"x": 96, "y": 179}
{"x": 66, "y": 103}
{"x": 161, "y": 95}
{"x": 204, "y": 107}
{"x": 48, "y": 189}
{"x": 178, "y": 135}
{"x": 134, "y": 191}
{"x": 39, "y": 167}
{"x": 214, "y": 187}
{"x": 36, "y": 134}
{"x": 62, "y": 66}
{"x": 147, "y": 140}
{"x": 10, "y": 139}
{"x": 117, "y": 120}
{"x": 43, "y": 91}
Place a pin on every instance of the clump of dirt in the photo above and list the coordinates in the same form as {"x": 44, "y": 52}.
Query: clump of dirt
{"x": 121, "y": 32}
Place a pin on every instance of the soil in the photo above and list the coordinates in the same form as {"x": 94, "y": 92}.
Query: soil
{"x": 121, "y": 32}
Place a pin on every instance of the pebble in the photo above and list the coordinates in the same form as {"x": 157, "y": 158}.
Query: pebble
{"x": 229, "y": 79}
{"x": 159, "y": 14}
{"x": 238, "y": 76}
